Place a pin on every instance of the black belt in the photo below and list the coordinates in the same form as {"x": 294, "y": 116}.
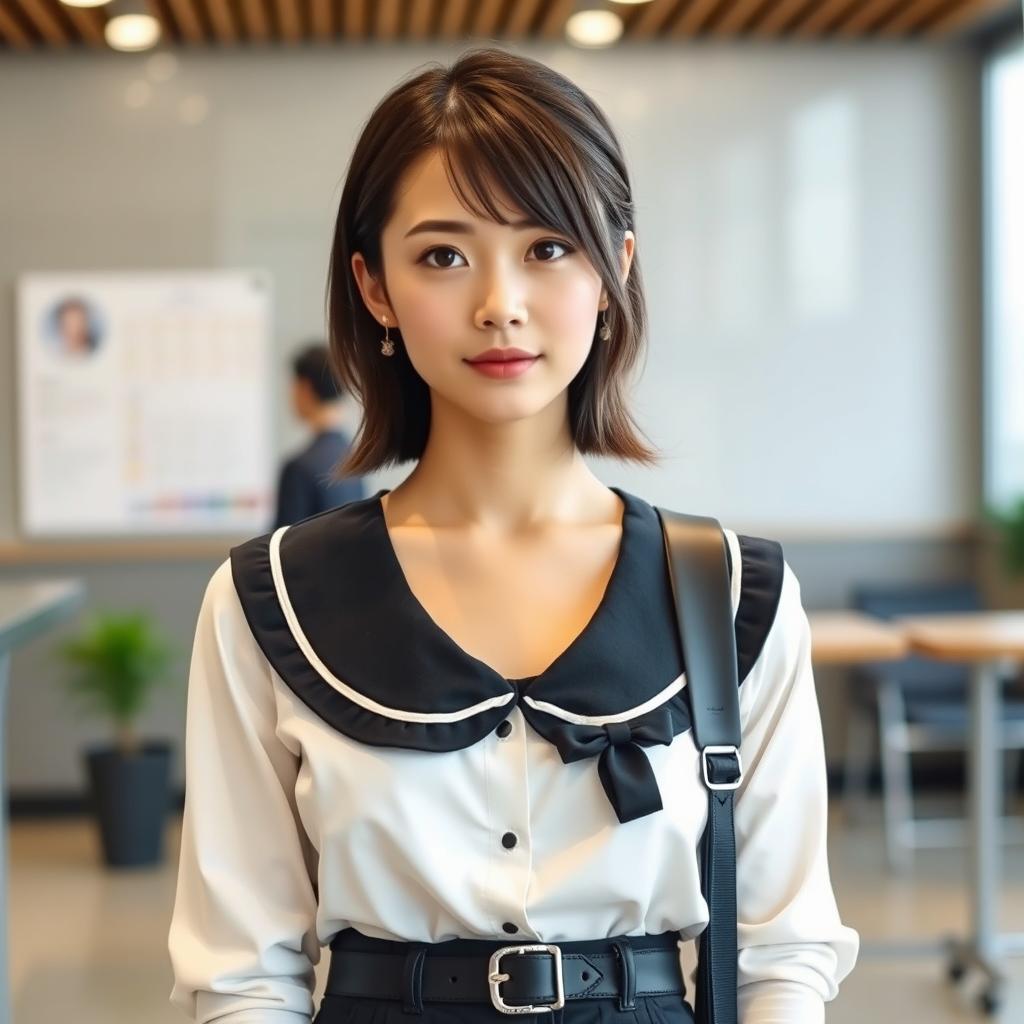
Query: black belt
{"x": 520, "y": 978}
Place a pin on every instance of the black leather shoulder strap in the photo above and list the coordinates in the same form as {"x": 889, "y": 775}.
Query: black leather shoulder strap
{"x": 699, "y": 570}
{"x": 699, "y": 567}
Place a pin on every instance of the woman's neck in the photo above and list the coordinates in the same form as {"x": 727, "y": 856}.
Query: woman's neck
{"x": 509, "y": 478}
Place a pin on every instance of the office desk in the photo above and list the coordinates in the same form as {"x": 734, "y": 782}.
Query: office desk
{"x": 993, "y": 642}
{"x": 845, "y": 638}
{"x": 27, "y": 609}
{"x": 850, "y": 638}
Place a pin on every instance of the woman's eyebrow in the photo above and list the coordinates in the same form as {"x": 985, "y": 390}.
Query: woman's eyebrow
{"x": 459, "y": 227}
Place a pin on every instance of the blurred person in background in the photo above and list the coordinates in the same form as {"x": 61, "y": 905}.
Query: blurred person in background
{"x": 305, "y": 486}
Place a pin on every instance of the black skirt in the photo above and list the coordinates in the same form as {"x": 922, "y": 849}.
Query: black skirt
{"x": 650, "y": 1009}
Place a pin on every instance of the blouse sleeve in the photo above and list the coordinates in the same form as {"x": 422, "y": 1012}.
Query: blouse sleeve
{"x": 242, "y": 937}
{"x": 793, "y": 949}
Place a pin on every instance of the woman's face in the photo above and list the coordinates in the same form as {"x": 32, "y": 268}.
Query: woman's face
{"x": 456, "y": 292}
{"x": 74, "y": 328}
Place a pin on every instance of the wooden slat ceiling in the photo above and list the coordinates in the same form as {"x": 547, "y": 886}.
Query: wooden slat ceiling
{"x": 46, "y": 24}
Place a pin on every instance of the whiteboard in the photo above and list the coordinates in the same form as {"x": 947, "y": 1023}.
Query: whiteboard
{"x": 143, "y": 403}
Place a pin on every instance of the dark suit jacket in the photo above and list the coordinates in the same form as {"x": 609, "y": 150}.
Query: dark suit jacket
{"x": 304, "y": 487}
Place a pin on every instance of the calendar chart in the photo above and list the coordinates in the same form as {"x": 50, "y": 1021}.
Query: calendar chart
{"x": 144, "y": 403}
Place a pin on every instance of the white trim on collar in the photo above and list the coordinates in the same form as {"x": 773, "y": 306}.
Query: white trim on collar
{"x": 329, "y": 677}
{"x": 620, "y": 716}
{"x": 675, "y": 686}
{"x": 554, "y": 710}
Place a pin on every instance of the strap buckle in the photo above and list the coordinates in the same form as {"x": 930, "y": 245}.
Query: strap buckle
{"x": 495, "y": 977}
{"x": 733, "y": 784}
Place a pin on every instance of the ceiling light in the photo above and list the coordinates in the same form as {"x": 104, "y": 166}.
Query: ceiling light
{"x": 593, "y": 29}
{"x": 131, "y": 32}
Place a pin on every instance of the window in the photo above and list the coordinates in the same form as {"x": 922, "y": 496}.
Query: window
{"x": 1003, "y": 228}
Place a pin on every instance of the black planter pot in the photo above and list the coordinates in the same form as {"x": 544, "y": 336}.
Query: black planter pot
{"x": 130, "y": 798}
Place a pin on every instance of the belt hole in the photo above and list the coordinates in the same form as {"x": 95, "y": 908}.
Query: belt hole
{"x": 453, "y": 979}
{"x": 586, "y": 975}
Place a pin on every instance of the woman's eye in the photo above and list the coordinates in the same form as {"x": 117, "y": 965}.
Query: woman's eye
{"x": 445, "y": 262}
{"x": 430, "y": 252}
{"x": 558, "y": 245}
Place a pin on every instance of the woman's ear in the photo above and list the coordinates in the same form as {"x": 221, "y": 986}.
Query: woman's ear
{"x": 626, "y": 256}
{"x": 625, "y": 262}
{"x": 374, "y": 297}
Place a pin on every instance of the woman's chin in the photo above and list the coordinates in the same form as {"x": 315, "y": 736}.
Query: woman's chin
{"x": 514, "y": 409}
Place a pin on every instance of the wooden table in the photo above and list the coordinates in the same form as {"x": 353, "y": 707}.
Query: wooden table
{"x": 844, "y": 638}
{"x": 26, "y": 610}
{"x": 993, "y": 643}
{"x": 851, "y": 638}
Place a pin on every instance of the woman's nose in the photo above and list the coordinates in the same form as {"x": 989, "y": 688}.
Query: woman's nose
{"x": 501, "y": 309}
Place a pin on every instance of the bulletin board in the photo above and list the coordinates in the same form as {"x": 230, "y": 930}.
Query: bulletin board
{"x": 143, "y": 403}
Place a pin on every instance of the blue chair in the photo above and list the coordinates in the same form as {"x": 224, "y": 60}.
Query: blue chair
{"x": 921, "y": 705}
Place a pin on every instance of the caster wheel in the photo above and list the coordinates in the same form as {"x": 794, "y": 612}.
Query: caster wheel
{"x": 988, "y": 1003}
{"x": 956, "y": 972}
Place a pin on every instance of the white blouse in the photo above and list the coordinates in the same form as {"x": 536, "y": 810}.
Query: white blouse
{"x": 348, "y": 765}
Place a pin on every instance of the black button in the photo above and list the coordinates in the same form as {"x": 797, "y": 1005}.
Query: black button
{"x": 504, "y": 729}
{"x": 510, "y": 927}
{"x": 508, "y": 840}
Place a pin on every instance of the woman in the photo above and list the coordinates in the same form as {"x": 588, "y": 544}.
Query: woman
{"x": 408, "y": 718}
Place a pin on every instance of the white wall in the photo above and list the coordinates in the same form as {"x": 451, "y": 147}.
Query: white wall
{"x": 805, "y": 224}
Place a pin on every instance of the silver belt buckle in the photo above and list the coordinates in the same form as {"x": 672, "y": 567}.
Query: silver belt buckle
{"x": 495, "y": 977}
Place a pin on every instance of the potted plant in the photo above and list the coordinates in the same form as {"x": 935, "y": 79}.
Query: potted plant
{"x": 116, "y": 661}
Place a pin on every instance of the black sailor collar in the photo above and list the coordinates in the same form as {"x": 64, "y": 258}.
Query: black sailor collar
{"x": 330, "y": 607}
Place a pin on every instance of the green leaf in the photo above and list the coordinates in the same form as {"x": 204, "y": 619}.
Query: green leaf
{"x": 114, "y": 663}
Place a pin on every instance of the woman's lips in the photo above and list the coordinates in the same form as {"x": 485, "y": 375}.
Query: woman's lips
{"x": 503, "y": 368}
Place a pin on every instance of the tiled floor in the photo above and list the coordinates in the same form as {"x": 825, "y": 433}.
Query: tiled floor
{"x": 89, "y": 945}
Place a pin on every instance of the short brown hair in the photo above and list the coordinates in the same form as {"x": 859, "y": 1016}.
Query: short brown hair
{"x": 568, "y": 172}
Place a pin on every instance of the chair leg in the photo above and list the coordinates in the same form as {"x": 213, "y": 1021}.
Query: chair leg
{"x": 856, "y": 763}
{"x": 897, "y": 794}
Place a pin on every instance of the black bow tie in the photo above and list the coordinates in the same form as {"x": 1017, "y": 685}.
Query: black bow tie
{"x": 626, "y": 774}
